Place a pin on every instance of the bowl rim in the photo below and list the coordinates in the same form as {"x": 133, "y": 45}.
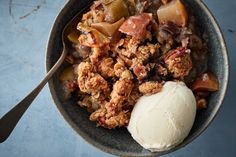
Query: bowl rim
{"x": 121, "y": 153}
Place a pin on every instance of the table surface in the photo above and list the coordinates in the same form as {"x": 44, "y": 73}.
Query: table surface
{"x": 24, "y": 30}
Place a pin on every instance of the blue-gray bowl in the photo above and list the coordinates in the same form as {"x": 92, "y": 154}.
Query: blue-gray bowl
{"x": 119, "y": 141}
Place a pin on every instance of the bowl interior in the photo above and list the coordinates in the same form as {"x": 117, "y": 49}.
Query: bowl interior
{"x": 119, "y": 141}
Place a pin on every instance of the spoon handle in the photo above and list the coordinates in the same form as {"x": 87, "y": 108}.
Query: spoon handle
{"x": 11, "y": 118}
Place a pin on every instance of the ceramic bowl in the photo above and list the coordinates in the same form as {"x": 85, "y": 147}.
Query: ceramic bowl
{"x": 119, "y": 141}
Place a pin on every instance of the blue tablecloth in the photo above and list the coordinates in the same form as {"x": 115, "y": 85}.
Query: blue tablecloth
{"x": 42, "y": 132}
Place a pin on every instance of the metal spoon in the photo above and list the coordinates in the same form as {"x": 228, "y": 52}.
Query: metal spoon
{"x": 11, "y": 118}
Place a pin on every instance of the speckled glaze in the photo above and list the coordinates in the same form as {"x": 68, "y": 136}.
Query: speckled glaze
{"x": 118, "y": 141}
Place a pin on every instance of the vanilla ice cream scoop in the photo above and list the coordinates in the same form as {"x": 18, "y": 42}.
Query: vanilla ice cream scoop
{"x": 161, "y": 121}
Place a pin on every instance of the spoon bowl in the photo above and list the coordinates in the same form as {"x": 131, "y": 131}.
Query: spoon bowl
{"x": 12, "y": 117}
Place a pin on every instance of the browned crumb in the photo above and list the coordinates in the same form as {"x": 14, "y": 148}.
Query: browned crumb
{"x": 201, "y": 104}
{"x": 149, "y": 88}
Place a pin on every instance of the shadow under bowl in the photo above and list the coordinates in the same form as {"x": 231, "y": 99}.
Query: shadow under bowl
{"x": 119, "y": 141}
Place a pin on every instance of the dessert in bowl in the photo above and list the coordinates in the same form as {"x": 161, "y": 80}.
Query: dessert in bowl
{"x": 134, "y": 63}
